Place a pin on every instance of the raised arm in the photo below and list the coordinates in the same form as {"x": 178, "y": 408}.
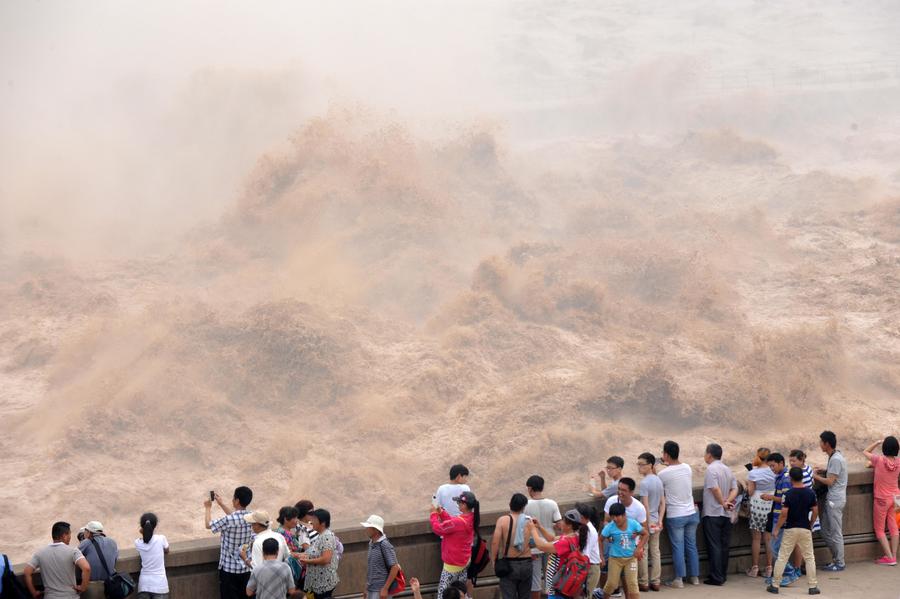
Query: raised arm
{"x": 539, "y": 542}
{"x": 868, "y": 450}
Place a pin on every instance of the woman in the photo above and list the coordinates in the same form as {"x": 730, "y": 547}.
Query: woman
{"x": 760, "y": 481}
{"x": 591, "y": 520}
{"x": 574, "y": 536}
{"x": 152, "y": 582}
{"x": 887, "y": 469}
{"x": 288, "y": 519}
{"x": 457, "y": 534}
{"x": 321, "y": 558}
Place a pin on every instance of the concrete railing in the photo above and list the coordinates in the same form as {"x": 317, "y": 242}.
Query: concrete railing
{"x": 191, "y": 565}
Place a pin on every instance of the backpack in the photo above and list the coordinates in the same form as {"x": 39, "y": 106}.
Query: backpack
{"x": 10, "y": 587}
{"x": 572, "y": 572}
{"x": 481, "y": 557}
{"x": 338, "y": 548}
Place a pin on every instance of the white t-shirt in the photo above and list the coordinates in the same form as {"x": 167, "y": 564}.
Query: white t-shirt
{"x": 545, "y": 511}
{"x": 592, "y": 551}
{"x": 445, "y": 495}
{"x": 256, "y": 553}
{"x": 678, "y": 484}
{"x": 636, "y": 511}
{"x": 153, "y": 567}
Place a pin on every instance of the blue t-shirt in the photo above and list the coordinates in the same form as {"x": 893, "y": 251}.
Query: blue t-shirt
{"x": 623, "y": 542}
{"x": 782, "y": 486}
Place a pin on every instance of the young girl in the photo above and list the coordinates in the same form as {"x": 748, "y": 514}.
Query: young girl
{"x": 760, "y": 481}
{"x": 152, "y": 583}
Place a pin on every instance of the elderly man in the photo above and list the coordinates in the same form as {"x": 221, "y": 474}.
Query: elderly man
{"x": 719, "y": 492}
{"x": 96, "y": 542}
{"x": 58, "y": 563}
{"x": 259, "y": 524}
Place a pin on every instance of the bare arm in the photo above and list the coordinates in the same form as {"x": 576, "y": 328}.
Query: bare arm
{"x": 225, "y": 508}
{"x": 539, "y": 542}
{"x": 782, "y": 518}
{"x": 207, "y": 519}
{"x": 868, "y": 450}
{"x": 29, "y": 583}
{"x": 323, "y": 559}
{"x": 662, "y": 509}
{"x": 495, "y": 541}
{"x": 395, "y": 569}
{"x": 85, "y": 575}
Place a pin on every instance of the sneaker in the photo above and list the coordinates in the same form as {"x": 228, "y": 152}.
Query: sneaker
{"x": 787, "y": 581}
{"x": 814, "y": 591}
{"x": 617, "y": 593}
{"x": 675, "y": 583}
{"x": 771, "y": 589}
{"x": 694, "y": 580}
{"x": 768, "y": 581}
{"x": 886, "y": 561}
{"x": 834, "y": 567}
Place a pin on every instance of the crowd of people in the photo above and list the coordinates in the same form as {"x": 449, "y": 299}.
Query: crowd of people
{"x": 596, "y": 550}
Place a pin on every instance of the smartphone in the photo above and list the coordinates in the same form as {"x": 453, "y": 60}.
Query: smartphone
{"x": 748, "y": 466}
{"x": 212, "y": 495}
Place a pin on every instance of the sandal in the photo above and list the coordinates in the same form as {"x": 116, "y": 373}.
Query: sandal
{"x": 753, "y": 572}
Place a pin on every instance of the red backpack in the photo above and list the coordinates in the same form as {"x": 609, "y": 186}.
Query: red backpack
{"x": 572, "y": 572}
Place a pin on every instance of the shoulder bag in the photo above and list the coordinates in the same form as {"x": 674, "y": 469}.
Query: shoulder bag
{"x": 399, "y": 582}
{"x": 116, "y": 585}
{"x": 503, "y": 567}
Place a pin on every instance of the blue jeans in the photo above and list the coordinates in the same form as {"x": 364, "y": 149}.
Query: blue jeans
{"x": 682, "y": 533}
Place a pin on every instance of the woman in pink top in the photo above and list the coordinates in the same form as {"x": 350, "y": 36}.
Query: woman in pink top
{"x": 887, "y": 471}
{"x": 457, "y": 534}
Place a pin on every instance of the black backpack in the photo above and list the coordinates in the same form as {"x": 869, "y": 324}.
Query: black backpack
{"x": 12, "y": 588}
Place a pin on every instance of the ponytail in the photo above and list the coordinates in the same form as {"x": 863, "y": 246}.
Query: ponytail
{"x": 477, "y": 521}
{"x": 148, "y": 525}
{"x": 582, "y": 536}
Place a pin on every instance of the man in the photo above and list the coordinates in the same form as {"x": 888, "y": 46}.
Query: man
{"x": 634, "y": 509}
{"x": 719, "y": 493}
{"x": 459, "y": 476}
{"x": 58, "y": 563}
{"x": 546, "y": 512}
{"x": 614, "y": 467}
{"x": 93, "y": 533}
{"x": 383, "y": 566}
{"x": 654, "y": 500}
{"x": 782, "y": 486}
{"x": 509, "y": 542}
{"x": 623, "y": 539}
{"x": 681, "y": 516}
{"x": 833, "y": 476}
{"x": 236, "y": 532}
{"x": 797, "y": 525}
{"x": 272, "y": 578}
{"x": 259, "y": 524}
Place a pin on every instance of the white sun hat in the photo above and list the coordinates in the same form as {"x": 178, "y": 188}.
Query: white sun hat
{"x": 376, "y": 522}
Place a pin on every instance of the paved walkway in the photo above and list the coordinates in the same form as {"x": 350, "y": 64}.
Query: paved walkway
{"x": 860, "y": 579}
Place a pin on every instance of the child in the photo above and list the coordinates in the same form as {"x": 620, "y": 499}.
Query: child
{"x": 627, "y": 539}
{"x": 272, "y": 578}
{"x": 794, "y": 519}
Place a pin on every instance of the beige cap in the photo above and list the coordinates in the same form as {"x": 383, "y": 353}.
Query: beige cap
{"x": 258, "y": 517}
{"x": 93, "y": 527}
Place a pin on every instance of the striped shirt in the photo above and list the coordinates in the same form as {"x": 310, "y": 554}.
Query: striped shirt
{"x": 808, "y": 483}
{"x": 235, "y": 532}
{"x": 382, "y": 558}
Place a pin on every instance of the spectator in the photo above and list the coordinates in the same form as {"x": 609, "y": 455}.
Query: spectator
{"x": 797, "y": 459}
{"x": 782, "y": 486}
{"x": 681, "y": 516}
{"x": 831, "y": 512}
{"x": 886, "y": 468}
{"x": 546, "y": 513}
{"x": 760, "y": 481}
{"x": 614, "y": 467}
{"x": 94, "y": 537}
{"x": 509, "y": 542}
{"x": 591, "y": 520}
{"x": 288, "y": 523}
{"x": 719, "y": 492}
{"x": 452, "y": 592}
{"x": 794, "y": 519}
{"x": 573, "y": 537}
{"x": 654, "y": 500}
{"x": 634, "y": 509}
{"x": 626, "y": 539}
{"x": 444, "y": 496}
{"x": 383, "y": 566}
{"x": 259, "y": 523}
{"x": 305, "y": 532}
{"x": 271, "y": 578}
{"x": 151, "y": 547}
{"x": 58, "y": 563}
{"x": 322, "y": 557}
{"x": 236, "y": 532}
{"x": 457, "y": 534}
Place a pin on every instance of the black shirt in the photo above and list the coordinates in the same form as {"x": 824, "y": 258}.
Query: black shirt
{"x": 798, "y": 502}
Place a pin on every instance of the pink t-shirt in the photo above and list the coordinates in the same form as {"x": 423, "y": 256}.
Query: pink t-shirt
{"x": 565, "y": 546}
{"x": 886, "y": 472}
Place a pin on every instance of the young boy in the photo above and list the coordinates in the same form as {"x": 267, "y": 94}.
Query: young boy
{"x": 794, "y": 519}
{"x": 272, "y": 579}
{"x": 459, "y": 477}
{"x": 626, "y": 538}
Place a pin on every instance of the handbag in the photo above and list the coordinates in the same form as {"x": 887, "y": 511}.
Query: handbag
{"x": 503, "y": 567}
{"x": 116, "y": 585}
{"x": 399, "y": 582}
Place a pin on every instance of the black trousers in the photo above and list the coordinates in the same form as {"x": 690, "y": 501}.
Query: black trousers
{"x": 717, "y": 533}
{"x": 233, "y": 586}
{"x": 518, "y": 584}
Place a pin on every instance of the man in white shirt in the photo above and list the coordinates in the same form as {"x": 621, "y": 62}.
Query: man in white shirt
{"x": 459, "y": 476}
{"x": 259, "y": 522}
{"x": 546, "y": 512}
{"x": 634, "y": 509}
